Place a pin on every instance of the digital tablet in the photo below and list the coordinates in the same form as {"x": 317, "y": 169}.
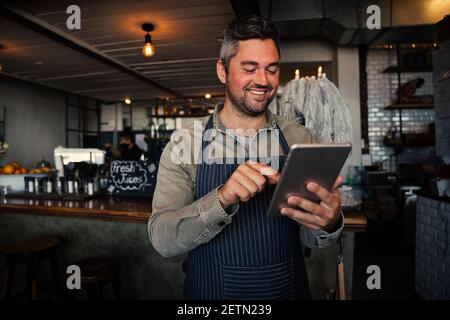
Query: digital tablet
{"x": 319, "y": 163}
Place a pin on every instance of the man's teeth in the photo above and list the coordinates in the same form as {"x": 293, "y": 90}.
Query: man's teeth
{"x": 257, "y": 92}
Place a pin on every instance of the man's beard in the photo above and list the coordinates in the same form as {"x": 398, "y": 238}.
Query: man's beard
{"x": 240, "y": 103}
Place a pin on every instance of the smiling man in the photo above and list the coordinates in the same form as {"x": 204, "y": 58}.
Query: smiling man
{"x": 216, "y": 210}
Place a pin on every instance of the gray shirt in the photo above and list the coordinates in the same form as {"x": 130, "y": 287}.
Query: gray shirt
{"x": 179, "y": 223}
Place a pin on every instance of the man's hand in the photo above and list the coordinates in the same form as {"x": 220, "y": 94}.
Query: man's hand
{"x": 315, "y": 216}
{"x": 116, "y": 153}
{"x": 245, "y": 182}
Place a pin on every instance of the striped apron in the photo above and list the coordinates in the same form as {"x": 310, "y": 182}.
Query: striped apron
{"x": 253, "y": 257}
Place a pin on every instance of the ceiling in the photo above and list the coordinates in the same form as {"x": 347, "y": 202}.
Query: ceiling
{"x": 344, "y": 22}
{"x": 104, "y": 59}
{"x": 185, "y": 39}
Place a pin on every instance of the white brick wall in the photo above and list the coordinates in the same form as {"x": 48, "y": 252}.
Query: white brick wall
{"x": 432, "y": 252}
{"x": 381, "y": 92}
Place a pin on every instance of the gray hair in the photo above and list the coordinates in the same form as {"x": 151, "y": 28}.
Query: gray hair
{"x": 246, "y": 28}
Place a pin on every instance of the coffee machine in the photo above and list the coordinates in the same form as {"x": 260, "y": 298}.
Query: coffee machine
{"x": 79, "y": 170}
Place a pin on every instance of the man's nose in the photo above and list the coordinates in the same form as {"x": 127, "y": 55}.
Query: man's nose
{"x": 261, "y": 78}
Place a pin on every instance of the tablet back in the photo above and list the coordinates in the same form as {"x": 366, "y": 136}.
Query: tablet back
{"x": 320, "y": 163}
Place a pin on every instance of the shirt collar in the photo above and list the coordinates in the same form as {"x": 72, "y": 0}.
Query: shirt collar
{"x": 270, "y": 124}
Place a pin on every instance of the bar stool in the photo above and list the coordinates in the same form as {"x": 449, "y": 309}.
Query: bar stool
{"x": 96, "y": 273}
{"x": 31, "y": 253}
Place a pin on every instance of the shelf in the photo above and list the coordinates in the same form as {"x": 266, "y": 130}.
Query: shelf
{"x": 417, "y": 140}
{"x": 406, "y": 106}
{"x": 406, "y": 144}
{"x": 396, "y": 69}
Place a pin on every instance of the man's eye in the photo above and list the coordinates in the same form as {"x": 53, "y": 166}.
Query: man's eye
{"x": 249, "y": 70}
{"x": 272, "y": 71}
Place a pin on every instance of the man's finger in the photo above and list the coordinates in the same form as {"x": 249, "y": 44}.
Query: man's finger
{"x": 321, "y": 192}
{"x": 242, "y": 192}
{"x": 303, "y": 217}
{"x": 253, "y": 175}
{"x": 263, "y": 169}
{"x": 273, "y": 179}
{"x": 271, "y": 174}
{"x": 337, "y": 183}
{"x": 248, "y": 183}
{"x": 308, "y": 206}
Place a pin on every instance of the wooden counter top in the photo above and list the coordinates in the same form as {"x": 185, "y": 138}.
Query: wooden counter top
{"x": 354, "y": 221}
{"x": 124, "y": 209}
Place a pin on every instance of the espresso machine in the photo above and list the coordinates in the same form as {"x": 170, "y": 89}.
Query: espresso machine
{"x": 80, "y": 171}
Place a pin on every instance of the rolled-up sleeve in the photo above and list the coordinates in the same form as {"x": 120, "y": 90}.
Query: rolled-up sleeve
{"x": 178, "y": 224}
{"x": 320, "y": 238}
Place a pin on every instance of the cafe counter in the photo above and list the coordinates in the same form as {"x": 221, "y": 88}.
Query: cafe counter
{"x": 110, "y": 208}
{"x": 110, "y": 226}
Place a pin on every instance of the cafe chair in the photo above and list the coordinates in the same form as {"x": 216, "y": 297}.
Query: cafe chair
{"x": 31, "y": 253}
{"x": 96, "y": 274}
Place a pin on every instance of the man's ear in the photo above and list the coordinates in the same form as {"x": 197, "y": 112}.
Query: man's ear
{"x": 220, "y": 69}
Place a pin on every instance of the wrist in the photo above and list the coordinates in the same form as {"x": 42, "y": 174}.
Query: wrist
{"x": 225, "y": 204}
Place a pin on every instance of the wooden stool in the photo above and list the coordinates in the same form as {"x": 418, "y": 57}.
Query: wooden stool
{"x": 96, "y": 273}
{"x": 30, "y": 252}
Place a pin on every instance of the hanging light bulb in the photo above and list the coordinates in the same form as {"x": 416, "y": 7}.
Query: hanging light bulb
{"x": 297, "y": 74}
{"x": 127, "y": 100}
{"x": 208, "y": 96}
{"x": 148, "y": 50}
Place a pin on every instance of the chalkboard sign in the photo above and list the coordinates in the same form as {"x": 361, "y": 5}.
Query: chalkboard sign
{"x": 132, "y": 178}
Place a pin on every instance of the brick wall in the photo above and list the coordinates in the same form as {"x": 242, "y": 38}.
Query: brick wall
{"x": 432, "y": 252}
{"x": 381, "y": 91}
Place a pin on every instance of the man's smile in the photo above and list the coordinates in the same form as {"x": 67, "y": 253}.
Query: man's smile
{"x": 258, "y": 93}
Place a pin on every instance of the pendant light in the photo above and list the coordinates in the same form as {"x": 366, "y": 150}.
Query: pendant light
{"x": 148, "y": 50}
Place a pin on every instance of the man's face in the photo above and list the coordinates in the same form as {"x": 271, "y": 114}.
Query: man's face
{"x": 124, "y": 141}
{"x": 253, "y": 76}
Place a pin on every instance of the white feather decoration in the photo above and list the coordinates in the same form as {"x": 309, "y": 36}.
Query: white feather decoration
{"x": 318, "y": 104}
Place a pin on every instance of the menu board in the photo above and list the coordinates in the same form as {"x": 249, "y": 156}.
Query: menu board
{"x": 132, "y": 178}
{"x": 441, "y": 78}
